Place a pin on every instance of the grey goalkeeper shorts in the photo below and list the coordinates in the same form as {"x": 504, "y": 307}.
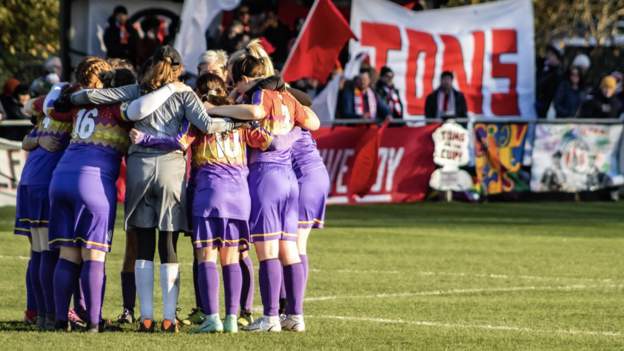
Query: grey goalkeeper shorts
{"x": 156, "y": 191}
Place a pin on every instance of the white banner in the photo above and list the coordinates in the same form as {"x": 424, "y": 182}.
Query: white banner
{"x": 488, "y": 47}
{"x": 573, "y": 158}
{"x": 12, "y": 160}
{"x": 196, "y": 16}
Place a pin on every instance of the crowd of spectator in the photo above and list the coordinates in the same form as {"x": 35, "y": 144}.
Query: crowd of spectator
{"x": 565, "y": 95}
{"x": 560, "y": 91}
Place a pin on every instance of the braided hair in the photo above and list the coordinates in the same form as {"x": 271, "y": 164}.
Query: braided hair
{"x": 90, "y": 71}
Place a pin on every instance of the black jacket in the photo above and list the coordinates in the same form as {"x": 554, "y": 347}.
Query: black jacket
{"x": 383, "y": 95}
{"x": 599, "y": 106}
{"x": 431, "y": 104}
{"x": 547, "y": 82}
{"x": 112, "y": 41}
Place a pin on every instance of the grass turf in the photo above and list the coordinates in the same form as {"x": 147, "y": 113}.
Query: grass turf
{"x": 432, "y": 276}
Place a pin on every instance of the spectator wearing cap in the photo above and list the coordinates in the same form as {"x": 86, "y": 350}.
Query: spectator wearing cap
{"x": 388, "y": 92}
{"x": 602, "y": 103}
{"x": 583, "y": 62}
{"x": 360, "y": 101}
{"x": 446, "y": 102}
{"x": 570, "y": 93}
{"x": 548, "y": 79}
{"x": 119, "y": 36}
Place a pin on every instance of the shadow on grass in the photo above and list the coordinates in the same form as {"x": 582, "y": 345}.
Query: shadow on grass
{"x": 16, "y": 326}
{"x": 20, "y": 326}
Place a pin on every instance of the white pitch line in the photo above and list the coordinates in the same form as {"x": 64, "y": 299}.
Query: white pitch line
{"x": 471, "y": 326}
{"x": 464, "y": 274}
{"x": 463, "y": 291}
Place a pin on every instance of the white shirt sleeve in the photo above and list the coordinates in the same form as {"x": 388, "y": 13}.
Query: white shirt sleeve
{"x": 53, "y": 95}
{"x": 148, "y": 103}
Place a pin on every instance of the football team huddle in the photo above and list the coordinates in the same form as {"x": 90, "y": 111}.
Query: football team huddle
{"x": 255, "y": 177}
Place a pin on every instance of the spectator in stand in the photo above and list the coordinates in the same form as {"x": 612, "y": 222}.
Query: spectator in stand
{"x": 215, "y": 62}
{"x": 120, "y": 36}
{"x": 360, "y": 101}
{"x": 388, "y": 93}
{"x": 602, "y": 103}
{"x": 278, "y": 34}
{"x": 570, "y": 94}
{"x": 235, "y": 38}
{"x": 548, "y": 79}
{"x": 52, "y": 72}
{"x": 243, "y": 16}
{"x": 15, "y": 101}
{"x": 147, "y": 45}
{"x": 583, "y": 62}
{"x": 7, "y": 95}
{"x": 446, "y": 102}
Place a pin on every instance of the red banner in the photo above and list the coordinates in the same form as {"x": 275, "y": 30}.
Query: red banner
{"x": 405, "y": 162}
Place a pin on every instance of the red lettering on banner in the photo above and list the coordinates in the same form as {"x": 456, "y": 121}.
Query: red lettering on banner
{"x": 383, "y": 37}
{"x": 419, "y": 43}
{"x": 454, "y": 61}
{"x": 505, "y": 41}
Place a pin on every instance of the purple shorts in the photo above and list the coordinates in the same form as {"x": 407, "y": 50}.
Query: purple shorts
{"x": 32, "y": 208}
{"x": 82, "y": 210}
{"x": 313, "y": 190}
{"x": 274, "y": 202}
{"x": 219, "y": 232}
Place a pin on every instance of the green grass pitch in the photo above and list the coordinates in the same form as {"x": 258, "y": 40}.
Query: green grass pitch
{"x": 431, "y": 276}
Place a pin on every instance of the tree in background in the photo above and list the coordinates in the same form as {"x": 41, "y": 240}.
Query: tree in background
{"x": 29, "y": 33}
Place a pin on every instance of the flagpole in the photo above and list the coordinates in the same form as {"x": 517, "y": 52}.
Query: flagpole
{"x": 305, "y": 25}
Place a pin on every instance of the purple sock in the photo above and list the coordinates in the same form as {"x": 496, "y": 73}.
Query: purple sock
{"x": 31, "y": 303}
{"x": 270, "y": 275}
{"x": 80, "y": 306}
{"x": 46, "y": 278}
{"x": 247, "y": 290}
{"x": 208, "y": 282}
{"x": 102, "y": 294}
{"x": 35, "y": 263}
{"x": 66, "y": 275}
{"x": 92, "y": 277}
{"x": 195, "y": 285}
{"x": 128, "y": 290}
{"x": 304, "y": 263}
{"x": 232, "y": 284}
{"x": 283, "y": 291}
{"x": 294, "y": 281}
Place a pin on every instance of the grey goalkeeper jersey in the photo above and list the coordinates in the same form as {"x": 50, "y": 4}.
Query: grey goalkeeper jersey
{"x": 166, "y": 121}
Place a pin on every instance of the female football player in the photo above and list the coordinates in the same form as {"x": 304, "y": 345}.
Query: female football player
{"x": 83, "y": 198}
{"x": 274, "y": 196}
{"x": 220, "y": 204}
{"x": 45, "y": 144}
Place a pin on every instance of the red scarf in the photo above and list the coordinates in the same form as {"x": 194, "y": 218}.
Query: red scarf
{"x": 123, "y": 33}
{"x": 393, "y": 101}
{"x": 363, "y": 104}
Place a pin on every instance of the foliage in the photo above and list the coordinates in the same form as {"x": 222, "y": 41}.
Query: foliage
{"x": 29, "y": 33}
{"x": 595, "y": 21}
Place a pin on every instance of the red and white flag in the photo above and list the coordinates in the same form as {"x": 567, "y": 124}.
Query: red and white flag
{"x": 318, "y": 45}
